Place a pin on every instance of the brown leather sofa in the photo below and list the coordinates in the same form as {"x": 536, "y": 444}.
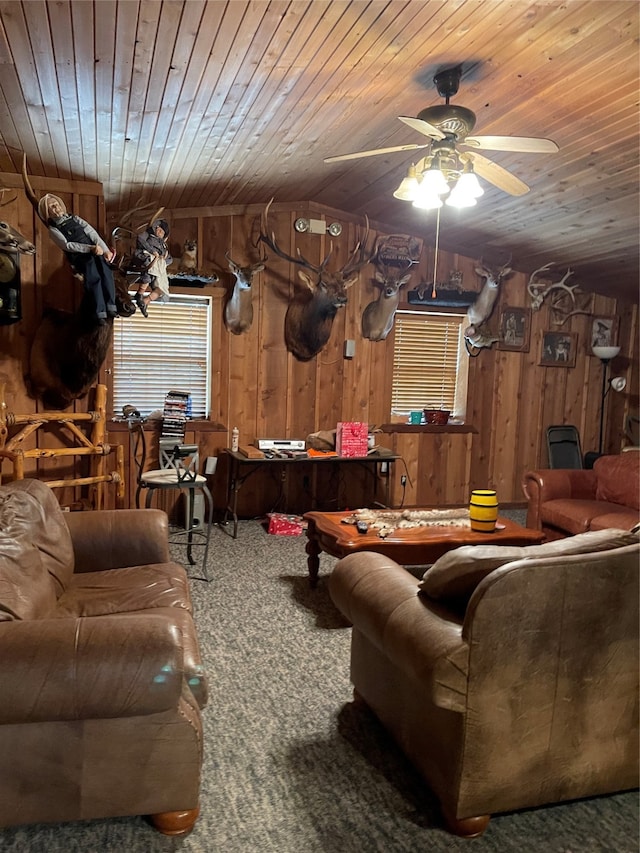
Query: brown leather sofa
{"x": 101, "y": 681}
{"x": 563, "y": 502}
{"x": 507, "y": 684}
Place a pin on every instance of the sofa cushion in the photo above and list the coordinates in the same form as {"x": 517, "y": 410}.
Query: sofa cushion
{"x": 36, "y": 513}
{"x": 618, "y": 479}
{"x": 455, "y": 575}
{"x": 125, "y": 591}
{"x": 575, "y": 516}
{"x": 27, "y": 590}
{"x": 623, "y": 518}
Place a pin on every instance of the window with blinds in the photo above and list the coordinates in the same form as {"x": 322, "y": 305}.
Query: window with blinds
{"x": 170, "y": 349}
{"x": 429, "y": 363}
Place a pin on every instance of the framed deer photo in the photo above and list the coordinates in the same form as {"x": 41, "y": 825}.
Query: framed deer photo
{"x": 515, "y": 325}
{"x": 559, "y": 349}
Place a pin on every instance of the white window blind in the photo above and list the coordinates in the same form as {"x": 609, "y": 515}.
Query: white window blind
{"x": 428, "y": 370}
{"x": 170, "y": 349}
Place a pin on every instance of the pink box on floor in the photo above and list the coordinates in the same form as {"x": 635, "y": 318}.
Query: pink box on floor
{"x": 281, "y": 524}
{"x": 351, "y": 438}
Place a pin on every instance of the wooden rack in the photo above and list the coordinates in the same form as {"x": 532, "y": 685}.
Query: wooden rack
{"x": 92, "y": 445}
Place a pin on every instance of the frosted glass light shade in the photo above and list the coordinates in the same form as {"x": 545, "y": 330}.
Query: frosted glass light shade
{"x": 605, "y": 353}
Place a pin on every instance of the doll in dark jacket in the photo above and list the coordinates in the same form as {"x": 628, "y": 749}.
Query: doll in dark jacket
{"x": 152, "y": 253}
{"x": 86, "y": 251}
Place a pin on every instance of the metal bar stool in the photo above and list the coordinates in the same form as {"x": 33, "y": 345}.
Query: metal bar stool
{"x": 178, "y": 470}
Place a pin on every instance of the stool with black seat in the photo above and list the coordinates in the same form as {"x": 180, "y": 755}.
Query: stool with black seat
{"x": 178, "y": 470}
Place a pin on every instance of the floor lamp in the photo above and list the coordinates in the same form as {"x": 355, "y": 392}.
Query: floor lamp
{"x": 605, "y": 354}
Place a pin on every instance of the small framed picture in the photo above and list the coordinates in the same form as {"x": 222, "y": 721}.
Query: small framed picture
{"x": 514, "y": 329}
{"x": 604, "y": 332}
{"x": 559, "y": 349}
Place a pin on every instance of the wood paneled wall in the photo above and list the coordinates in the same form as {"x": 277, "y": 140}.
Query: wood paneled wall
{"x": 259, "y": 387}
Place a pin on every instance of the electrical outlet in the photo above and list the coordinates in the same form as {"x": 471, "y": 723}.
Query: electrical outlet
{"x": 384, "y": 468}
{"x": 403, "y": 480}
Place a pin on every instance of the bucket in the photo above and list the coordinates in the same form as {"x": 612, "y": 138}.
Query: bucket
{"x": 483, "y": 510}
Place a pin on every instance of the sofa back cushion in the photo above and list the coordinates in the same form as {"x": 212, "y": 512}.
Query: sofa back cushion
{"x": 27, "y": 589}
{"x": 455, "y": 575}
{"x": 31, "y": 510}
{"x": 618, "y": 479}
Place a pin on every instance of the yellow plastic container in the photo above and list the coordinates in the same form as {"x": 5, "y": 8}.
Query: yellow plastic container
{"x": 483, "y": 510}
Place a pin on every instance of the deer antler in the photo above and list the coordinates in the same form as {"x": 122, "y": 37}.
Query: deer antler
{"x": 29, "y": 189}
{"x": 270, "y": 241}
{"x": 537, "y": 290}
{"x": 562, "y": 301}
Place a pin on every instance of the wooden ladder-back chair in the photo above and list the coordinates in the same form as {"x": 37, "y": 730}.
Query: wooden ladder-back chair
{"x": 178, "y": 470}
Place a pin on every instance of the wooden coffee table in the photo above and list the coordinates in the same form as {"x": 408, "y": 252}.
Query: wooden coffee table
{"x": 410, "y": 547}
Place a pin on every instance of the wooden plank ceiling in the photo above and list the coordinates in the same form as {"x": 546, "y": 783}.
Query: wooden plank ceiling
{"x": 216, "y": 103}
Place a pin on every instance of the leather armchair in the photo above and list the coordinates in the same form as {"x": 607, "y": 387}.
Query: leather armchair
{"x": 101, "y": 681}
{"x": 525, "y": 695}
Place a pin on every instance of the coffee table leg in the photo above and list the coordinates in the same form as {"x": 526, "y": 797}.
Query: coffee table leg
{"x": 313, "y": 555}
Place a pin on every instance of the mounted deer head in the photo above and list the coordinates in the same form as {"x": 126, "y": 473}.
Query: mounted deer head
{"x": 238, "y": 312}
{"x": 566, "y": 300}
{"x": 11, "y": 240}
{"x": 476, "y": 335}
{"x": 378, "y": 316}
{"x": 309, "y": 318}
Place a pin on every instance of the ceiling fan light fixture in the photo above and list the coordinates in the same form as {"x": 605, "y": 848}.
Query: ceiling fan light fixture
{"x": 427, "y": 200}
{"x": 433, "y": 181}
{"x": 408, "y": 186}
{"x": 469, "y": 183}
{"x": 460, "y": 198}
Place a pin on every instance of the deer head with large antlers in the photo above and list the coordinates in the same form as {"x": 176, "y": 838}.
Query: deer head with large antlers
{"x": 378, "y": 316}
{"x": 238, "y": 312}
{"x": 476, "y": 335}
{"x": 309, "y": 318}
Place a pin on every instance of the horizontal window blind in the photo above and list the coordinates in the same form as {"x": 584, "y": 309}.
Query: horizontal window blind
{"x": 170, "y": 349}
{"x": 425, "y": 361}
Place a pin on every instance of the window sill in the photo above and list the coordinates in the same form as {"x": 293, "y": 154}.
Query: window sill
{"x": 427, "y": 428}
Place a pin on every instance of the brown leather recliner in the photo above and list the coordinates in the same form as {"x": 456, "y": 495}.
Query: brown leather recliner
{"x": 525, "y": 695}
{"x": 101, "y": 681}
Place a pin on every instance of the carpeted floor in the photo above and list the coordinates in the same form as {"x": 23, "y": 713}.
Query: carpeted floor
{"x": 291, "y": 765}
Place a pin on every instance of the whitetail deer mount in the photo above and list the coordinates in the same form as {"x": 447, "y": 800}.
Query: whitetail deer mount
{"x": 238, "y": 312}
{"x": 11, "y": 240}
{"x": 565, "y": 300}
{"x": 378, "y": 316}
{"x": 310, "y": 315}
{"x": 476, "y": 334}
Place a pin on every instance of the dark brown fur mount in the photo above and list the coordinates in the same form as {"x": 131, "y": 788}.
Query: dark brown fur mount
{"x": 66, "y": 355}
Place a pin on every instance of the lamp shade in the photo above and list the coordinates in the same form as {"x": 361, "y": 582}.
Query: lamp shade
{"x": 605, "y": 353}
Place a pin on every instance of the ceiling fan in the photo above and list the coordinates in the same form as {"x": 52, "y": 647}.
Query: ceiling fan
{"x": 448, "y": 126}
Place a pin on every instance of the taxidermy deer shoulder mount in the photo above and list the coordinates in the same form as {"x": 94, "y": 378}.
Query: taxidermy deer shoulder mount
{"x": 238, "y": 311}
{"x": 309, "y": 318}
{"x": 378, "y": 316}
{"x": 476, "y": 334}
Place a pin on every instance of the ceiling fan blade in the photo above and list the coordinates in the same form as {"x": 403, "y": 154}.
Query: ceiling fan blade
{"x": 531, "y": 144}
{"x": 497, "y": 176}
{"x": 423, "y": 127}
{"x": 375, "y": 151}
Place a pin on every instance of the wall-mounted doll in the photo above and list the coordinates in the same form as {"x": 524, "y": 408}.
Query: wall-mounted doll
{"x": 86, "y": 251}
{"x": 152, "y": 253}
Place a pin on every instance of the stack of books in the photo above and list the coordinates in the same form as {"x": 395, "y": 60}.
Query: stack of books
{"x": 177, "y": 410}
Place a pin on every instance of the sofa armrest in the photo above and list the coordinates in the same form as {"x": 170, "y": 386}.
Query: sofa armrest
{"x": 421, "y": 637}
{"x": 115, "y": 539}
{"x": 89, "y": 668}
{"x": 553, "y": 484}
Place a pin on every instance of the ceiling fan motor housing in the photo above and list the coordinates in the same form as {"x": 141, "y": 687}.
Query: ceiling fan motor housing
{"x": 450, "y": 118}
